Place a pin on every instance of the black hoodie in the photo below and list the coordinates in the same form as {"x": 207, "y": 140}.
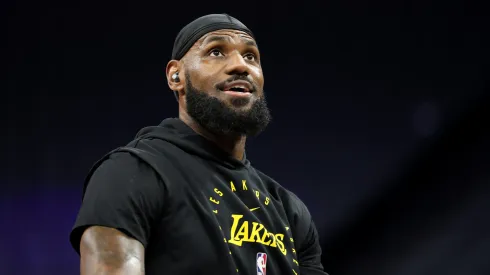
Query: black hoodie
{"x": 196, "y": 209}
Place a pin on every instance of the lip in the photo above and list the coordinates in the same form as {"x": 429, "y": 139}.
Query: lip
{"x": 248, "y": 87}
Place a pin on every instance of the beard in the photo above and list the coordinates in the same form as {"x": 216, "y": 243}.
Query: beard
{"x": 218, "y": 118}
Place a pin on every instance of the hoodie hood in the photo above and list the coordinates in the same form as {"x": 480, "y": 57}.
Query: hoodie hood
{"x": 176, "y": 132}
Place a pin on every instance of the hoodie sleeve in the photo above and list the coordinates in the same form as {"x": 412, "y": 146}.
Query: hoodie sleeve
{"x": 123, "y": 193}
{"x": 308, "y": 243}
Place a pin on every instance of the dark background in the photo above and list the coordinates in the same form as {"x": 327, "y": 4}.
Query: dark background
{"x": 379, "y": 122}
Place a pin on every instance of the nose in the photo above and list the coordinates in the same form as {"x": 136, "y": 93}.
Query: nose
{"x": 237, "y": 65}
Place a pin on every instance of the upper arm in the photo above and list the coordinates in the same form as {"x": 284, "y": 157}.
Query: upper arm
{"x": 123, "y": 193}
{"x": 310, "y": 252}
{"x": 308, "y": 246}
{"x": 106, "y": 250}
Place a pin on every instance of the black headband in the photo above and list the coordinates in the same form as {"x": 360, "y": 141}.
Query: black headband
{"x": 202, "y": 25}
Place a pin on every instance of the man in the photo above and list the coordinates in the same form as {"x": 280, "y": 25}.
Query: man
{"x": 182, "y": 198}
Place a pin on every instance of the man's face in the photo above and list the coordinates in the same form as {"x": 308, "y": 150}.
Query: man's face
{"x": 224, "y": 84}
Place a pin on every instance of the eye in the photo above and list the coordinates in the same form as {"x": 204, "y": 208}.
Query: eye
{"x": 250, "y": 57}
{"x": 215, "y": 53}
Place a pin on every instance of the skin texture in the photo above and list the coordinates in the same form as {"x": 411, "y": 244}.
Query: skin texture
{"x": 213, "y": 59}
{"x": 107, "y": 251}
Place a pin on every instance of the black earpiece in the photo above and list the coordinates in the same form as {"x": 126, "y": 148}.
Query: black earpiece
{"x": 175, "y": 77}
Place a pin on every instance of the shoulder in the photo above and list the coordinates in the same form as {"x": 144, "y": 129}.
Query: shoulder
{"x": 290, "y": 200}
{"x": 297, "y": 204}
{"x": 121, "y": 170}
{"x": 272, "y": 184}
{"x": 298, "y": 214}
{"x": 141, "y": 155}
{"x": 122, "y": 159}
{"x": 119, "y": 163}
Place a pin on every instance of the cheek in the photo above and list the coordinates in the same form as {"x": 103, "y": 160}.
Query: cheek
{"x": 257, "y": 73}
{"x": 203, "y": 80}
{"x": 200, "y": 75}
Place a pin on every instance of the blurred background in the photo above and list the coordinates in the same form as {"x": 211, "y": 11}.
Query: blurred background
{"x": 380, "y": 122}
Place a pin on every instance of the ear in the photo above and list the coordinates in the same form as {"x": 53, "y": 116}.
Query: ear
{"x": 174, "y": 66}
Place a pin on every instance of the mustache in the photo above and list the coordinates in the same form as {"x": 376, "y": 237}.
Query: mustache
{"x": 221, "y": 85}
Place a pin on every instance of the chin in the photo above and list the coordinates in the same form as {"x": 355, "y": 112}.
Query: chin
{"x": 237, "y": 99}
{"x": 240, "y": 103}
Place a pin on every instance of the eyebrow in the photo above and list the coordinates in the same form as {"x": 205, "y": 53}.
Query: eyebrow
{"x": 250, "y": 42}
{"x": 221, "y": 38}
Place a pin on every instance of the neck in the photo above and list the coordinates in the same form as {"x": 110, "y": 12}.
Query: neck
{"x": 232, "y": 144}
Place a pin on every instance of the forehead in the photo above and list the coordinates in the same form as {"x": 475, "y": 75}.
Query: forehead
{"x": 226, "y": 35}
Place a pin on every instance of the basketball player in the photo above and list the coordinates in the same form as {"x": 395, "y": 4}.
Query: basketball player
{"x": 182, "y": 197}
